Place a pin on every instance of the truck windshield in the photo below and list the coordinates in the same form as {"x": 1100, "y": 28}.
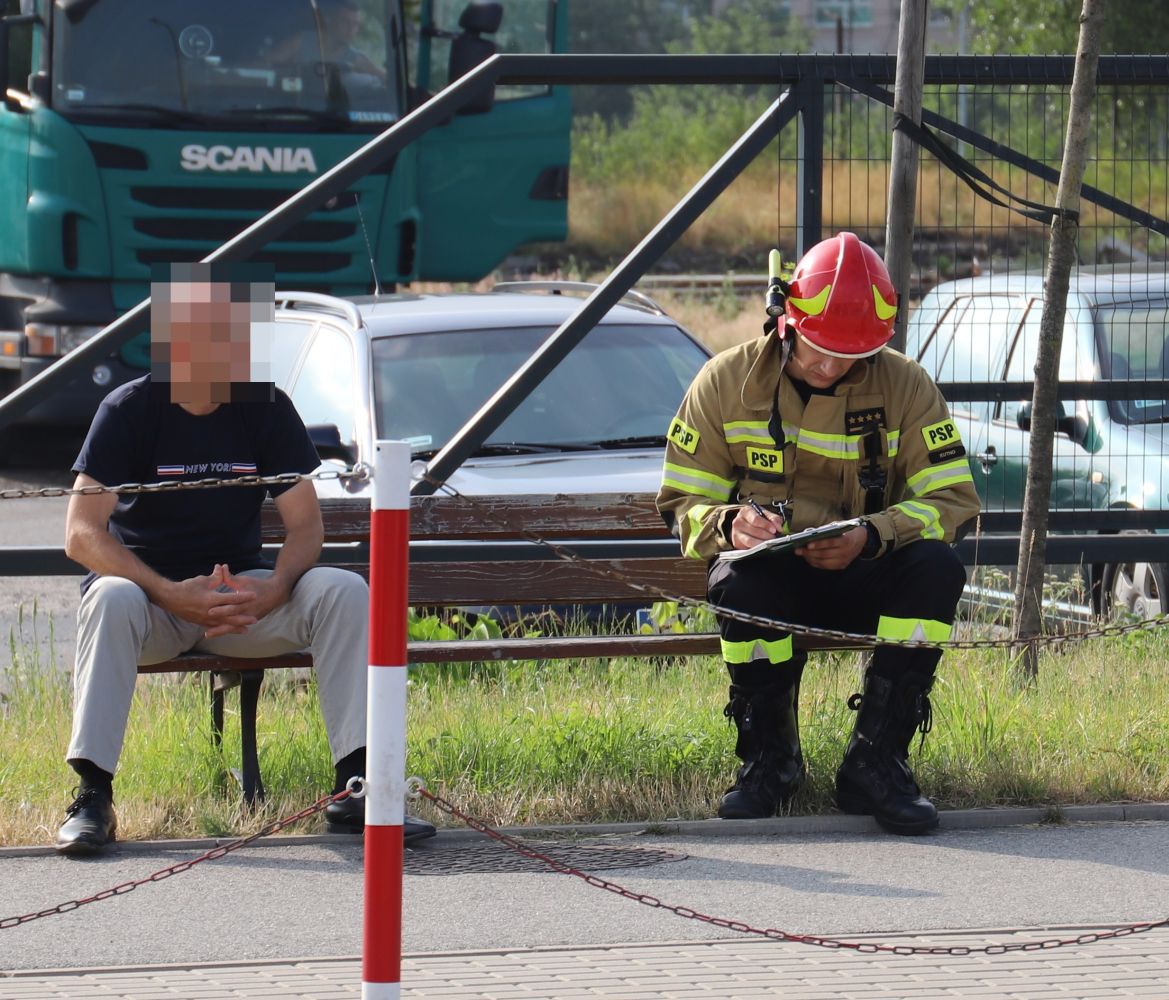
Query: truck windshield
{"x": 263, "y": 63}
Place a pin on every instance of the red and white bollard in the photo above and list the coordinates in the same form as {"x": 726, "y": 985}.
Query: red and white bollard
{"x": 389, "y": 557}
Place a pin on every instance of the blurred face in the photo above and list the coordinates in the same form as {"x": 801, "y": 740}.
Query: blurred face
{"x": 209, "y": 341}
{"x": 818, "y": 369}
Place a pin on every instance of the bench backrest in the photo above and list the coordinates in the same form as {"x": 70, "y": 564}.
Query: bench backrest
{"x": 468, "y": 540}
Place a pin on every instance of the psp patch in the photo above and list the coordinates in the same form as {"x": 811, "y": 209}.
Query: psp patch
{"x": 765, "y": 460}
{"x": 863, "y": 421}
{"x": 943, "y": 442}
{"x": 684, "y": 437}
{"x": 943, "y": 434}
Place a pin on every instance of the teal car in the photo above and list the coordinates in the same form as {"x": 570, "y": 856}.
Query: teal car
{"x": 1108, "y": 454}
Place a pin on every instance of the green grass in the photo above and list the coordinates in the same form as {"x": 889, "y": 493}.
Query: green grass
{"x": 614, "y": 740}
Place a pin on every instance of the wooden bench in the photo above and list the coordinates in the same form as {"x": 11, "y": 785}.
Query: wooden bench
{"x": 479, "y": 553}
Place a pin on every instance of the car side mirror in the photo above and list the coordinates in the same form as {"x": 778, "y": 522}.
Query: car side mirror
{"x": 471, "y": 49}
{"x": 1073, "y": 426}
{"x": 326, "y": 438}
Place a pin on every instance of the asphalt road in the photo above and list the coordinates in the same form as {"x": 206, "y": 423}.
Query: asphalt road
{"x": 306, "y": 899}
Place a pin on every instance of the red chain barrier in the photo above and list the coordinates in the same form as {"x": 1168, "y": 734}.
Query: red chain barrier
{"x": 773, "y": 933}
{"x": 182, "y": 866}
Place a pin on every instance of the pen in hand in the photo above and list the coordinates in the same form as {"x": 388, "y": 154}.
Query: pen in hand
{"x": 755, "y": 507}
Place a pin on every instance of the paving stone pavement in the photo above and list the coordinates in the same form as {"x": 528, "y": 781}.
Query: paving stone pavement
{"x": 1132, "y": 966}
{"x": 475, "y": 931}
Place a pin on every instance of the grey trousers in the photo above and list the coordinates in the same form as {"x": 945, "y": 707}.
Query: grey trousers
{"x": 118, "y": 629}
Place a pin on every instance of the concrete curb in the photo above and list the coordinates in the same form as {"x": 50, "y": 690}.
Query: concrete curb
{"x": 778, "y": 826}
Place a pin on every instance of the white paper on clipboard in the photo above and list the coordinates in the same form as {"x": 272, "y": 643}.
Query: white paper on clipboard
{"x": 785, "y": 543}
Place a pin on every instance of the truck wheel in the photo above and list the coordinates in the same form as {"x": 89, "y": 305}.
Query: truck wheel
{"x": 1139, "y": 590}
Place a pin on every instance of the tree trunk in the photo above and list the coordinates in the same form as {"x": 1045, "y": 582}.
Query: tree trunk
{"x": 1061, "y": 255}
{"x": 903, "y": 166}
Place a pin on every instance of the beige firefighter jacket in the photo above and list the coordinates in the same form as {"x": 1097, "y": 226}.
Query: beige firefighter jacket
{"x": 886, "y": 416}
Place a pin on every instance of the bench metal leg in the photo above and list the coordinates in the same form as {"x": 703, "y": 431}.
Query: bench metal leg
{"x": 249, "y": 683}
{"x": 249, "y": 696}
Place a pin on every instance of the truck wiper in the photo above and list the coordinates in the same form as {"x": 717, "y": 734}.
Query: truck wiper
{"x": 156, "y": 111}
{"x": 317, "y": 117}
{"x": 644, "y": 441}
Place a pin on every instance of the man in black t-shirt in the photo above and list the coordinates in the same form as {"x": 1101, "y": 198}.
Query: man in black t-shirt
{"x": 182, "y": 570}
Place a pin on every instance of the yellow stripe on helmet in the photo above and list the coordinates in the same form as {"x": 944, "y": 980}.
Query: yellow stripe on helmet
{"x": 884, "y": 309}
{"x": 814, "y": 306}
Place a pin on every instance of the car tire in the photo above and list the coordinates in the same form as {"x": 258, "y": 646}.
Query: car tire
{"x": 1140, "y": 590}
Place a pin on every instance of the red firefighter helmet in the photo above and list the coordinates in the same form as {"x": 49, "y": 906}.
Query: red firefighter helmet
{"x": 842, "y": 301}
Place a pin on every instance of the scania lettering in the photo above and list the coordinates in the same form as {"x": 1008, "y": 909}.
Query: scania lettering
{"x": 257, "y": 159}
{"x": 134, "y": 134}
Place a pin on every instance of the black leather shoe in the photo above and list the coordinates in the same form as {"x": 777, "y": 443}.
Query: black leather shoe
{"x": 89, "y": 826}
{"x": 348, "y": 816}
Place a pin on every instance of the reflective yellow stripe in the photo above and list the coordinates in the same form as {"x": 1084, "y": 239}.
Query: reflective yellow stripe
{"x": 843, "y": 446}
{"x": 913, "y": 628}
{"x": 883, "y": 309}
{"x": 697, "y": 481}
{"x": 694, "y": 518}
{"x": 771, "y": 650}
{"x": 815, "y": 305}
{"x": 746, "y": 431}
{"x": 929, "y": 517}
{"x": 939, "y": 477}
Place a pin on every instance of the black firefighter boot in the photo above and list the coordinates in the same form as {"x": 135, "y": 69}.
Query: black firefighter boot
{"x": 874, "y": 778}
{"x": 769, "y": 747}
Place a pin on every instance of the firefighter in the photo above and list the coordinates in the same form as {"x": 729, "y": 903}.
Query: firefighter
{"x": 813, "y": 422}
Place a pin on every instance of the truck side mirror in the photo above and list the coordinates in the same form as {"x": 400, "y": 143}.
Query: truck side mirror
{"x": 470, "y": 49}
{"x": 5, "y": 25}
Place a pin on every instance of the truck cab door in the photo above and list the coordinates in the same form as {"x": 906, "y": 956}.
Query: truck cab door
{"x": 495, "y": 176}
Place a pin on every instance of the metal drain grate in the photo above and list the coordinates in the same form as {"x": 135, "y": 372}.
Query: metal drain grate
{"x": 490, "y": 856}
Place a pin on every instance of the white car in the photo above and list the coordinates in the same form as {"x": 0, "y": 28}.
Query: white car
{"x": 417, "y": 367}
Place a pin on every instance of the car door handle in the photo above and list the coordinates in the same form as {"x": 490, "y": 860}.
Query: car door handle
{"x": 988, "y": 458}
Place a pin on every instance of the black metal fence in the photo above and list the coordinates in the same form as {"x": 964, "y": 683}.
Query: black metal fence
{"x": 999, "y": 122}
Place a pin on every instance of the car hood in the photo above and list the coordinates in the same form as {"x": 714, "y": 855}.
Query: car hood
{"x": 625, "y": 471}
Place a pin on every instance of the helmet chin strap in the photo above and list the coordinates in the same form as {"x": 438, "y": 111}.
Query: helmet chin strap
{"x": 774, "y": 423}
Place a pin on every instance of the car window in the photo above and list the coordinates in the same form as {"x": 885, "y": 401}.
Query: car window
{"x": 970, "y": 345}
{"x": 284, "y": 348}
{"x": 1133, "y": 345}
{"x": 1074, "y": 361}
{"x": 325, "y": 391}
{"x": 620, "y": 381}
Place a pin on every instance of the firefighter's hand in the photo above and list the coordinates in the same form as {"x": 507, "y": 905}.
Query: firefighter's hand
{"x": 835, "y": 553}
{"x": 751, "y": 527}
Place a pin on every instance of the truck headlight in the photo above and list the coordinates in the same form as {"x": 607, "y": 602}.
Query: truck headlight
{"x": 47, "y": 340}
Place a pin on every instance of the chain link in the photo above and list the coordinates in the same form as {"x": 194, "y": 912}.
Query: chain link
{"x": 182, "y": 866}
{"x": 857, "y": 639}
{"x": 359, "y": 474}
{"x": 774, "y": 934}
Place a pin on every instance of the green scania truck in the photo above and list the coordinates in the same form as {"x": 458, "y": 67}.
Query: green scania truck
{"x": 134, "y": 132}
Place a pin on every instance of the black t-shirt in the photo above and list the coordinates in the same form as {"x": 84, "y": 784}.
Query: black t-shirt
{"x": 139, "y": 436}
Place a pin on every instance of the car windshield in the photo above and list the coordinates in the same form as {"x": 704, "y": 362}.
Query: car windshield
{"x": 621, "y": 385}
{"x": 264, "y": 63}
{"x": 1134, "y": 342}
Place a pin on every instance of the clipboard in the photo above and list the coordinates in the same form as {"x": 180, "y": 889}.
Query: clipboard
{"x": 787, "y": 543}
